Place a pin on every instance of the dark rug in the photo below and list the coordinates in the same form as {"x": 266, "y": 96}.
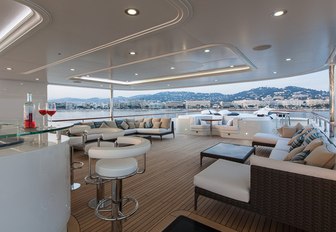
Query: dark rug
{"x": 183, "y": 224}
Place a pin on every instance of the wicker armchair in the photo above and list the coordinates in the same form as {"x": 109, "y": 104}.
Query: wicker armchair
{"x": 303, "y": 201}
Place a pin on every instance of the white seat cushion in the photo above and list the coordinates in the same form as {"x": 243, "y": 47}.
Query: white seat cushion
{"x": 266, "y": 138}
{"x": 282, "y": 144}
{"x": 153, "y": 130}
{"x": 277, "y": 154}
{"x": 116, "y": 167}
{"x": 226, "y": 178}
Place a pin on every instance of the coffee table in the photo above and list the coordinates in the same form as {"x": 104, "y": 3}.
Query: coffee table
{"x": 233, "y": 152}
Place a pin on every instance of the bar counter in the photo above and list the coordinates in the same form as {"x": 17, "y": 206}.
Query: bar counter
{"x": 35, "y": 184}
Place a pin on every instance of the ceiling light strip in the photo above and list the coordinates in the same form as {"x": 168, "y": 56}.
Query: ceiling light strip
{"x": 183, "y": 12}
{"x": 166, "y": 78}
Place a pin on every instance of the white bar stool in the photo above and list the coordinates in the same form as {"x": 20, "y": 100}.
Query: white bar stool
{"x": 116, "y": 164}
{"x": 92, "y": 177}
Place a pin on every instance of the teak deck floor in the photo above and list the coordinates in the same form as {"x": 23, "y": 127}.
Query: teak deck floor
{"x": 167, "y": 186}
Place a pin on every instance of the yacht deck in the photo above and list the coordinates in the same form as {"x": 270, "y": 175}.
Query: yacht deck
{"x": 167, "y": 186}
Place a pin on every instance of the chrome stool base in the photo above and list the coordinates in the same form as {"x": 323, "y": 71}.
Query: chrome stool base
{"x": 93, "y": 203}
{"x": 121, "y": 215}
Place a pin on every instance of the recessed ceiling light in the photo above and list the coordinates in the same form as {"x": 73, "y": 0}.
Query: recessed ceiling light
{"x": 262, "y": 47}
{"x": 9, "y": 69}
{"x": 132, "y": 53}
{"x": 288, "y": 59}
{"x": 72, "y": 69}
{"x": 21, "y": 83}
{"x": 136, "y": 74}
{"x": 216, "y": 80}
{"x": 37, "y": 79}
{"x": 274, "y": 72}
{"x": 279, "y": 13}
{"x": 207, "y": 50}
{"x": 132, "y": 11}
{"x": 231, "y": 66}
{"x": 172, "y": 68}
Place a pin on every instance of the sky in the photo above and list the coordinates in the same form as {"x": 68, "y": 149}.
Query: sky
{"x": 318, "y": 81}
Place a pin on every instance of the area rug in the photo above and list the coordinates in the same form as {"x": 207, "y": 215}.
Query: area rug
{"x": 181, "y": 221}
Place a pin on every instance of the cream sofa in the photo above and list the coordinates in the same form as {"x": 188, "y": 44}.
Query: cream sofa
{"x": 303, "y": 196}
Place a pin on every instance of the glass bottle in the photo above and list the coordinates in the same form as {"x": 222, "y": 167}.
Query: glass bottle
{"x": 28, "y": 113}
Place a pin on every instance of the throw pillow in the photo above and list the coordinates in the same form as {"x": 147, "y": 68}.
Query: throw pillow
{"x": 286, "y": 131}
{"x": 118, "y": 122}
{"x": 300, "y": 156}
{"x": 148, "y": 124}
{"x": 229, "y": 122}
{"x": 299, "y": 126}
{"x": 131, "y": 125}
{"x": 137, "y": 124}
{"x": 165, "y": 123}
{"x": 313, "y": 134}
{"x": 156, "y": 120}
{"x": 111, "y": 124}
{"x": 297, "y": 142}
{"x": 313, "y": 144}
{"x": 294, "y": 152}
{"x": 90, "y": 124}
{"x": 97, "y": 124}
{"x": 103, "y": 125}
{"x": 141, "y": 125}
{"x": 321, "y": 157}
{"x": 156, "y": 124}
{"x": 124, "y": 125}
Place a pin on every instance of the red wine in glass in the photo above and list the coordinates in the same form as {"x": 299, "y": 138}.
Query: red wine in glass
{"x": 43, "y": 112}
{"x": 51, "y": 112}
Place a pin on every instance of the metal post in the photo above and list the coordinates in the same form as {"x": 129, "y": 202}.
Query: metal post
{"x": 116, "y": 205}
{"x": 331, "y": 100}
{"x": 111, "y": 102}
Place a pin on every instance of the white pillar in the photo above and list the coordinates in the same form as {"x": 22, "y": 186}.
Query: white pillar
{"x": 331, "y": 100}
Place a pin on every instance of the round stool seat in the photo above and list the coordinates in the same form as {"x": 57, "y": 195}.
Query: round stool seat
{"x": 115, "y": 168}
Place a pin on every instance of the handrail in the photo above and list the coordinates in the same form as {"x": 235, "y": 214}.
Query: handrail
{"x": 120, "y": 116}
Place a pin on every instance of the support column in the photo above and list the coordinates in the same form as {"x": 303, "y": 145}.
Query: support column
{"x": 111, "y": 102}
{"x": 332, "y": 100}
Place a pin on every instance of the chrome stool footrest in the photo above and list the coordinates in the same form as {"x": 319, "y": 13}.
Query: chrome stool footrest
{"x": 76, "y": 165}
{"x": 121, "y": 215}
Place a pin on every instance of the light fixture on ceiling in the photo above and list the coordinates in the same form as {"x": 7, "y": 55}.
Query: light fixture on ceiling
{"x": 172, "y": 68}
{"x": 37, "y": 79}
{"x": 274, "y": 72}
{"x": 72, "y": 69}
{"x": 216, "y": 80}
{"x": 9, "y": 69}
{"x": 136, "y": 74}
{"x": 279, "y": 13}
{"x": 212, "y": 72}
{"x": 207, "y": 50}
{"x": 231, "y": 66}
{"x": 288, "y": 59}
{"x": 132, "y": 53}
{"x": 132, "y": 11}
{"x": 262, "y": 47}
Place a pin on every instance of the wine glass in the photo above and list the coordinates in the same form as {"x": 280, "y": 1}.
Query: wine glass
{"x": 51, "y": 110}
{"x": 42, "y": 109}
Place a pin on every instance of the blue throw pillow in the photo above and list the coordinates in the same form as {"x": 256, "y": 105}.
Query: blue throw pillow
{"x": 300, "y": 156}
{"x": 148, "y": 124}
{"x": 119, "y": 122}
{"x": 97, "y": 124}
{"x": 297, "y": 142}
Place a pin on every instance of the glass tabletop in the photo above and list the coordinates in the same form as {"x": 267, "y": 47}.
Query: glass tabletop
{"x": 8, "y": 130}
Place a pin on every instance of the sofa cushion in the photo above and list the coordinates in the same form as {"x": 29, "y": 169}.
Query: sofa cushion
{"x": 278, "y": 154}
{"x": 130, "y": 131}
{"x": 299, "y": 127}
{"x": 282, "y": 144}
{"x": 266, "y": 138}
{"x": 297, "y": 142}
{"x": 165, "y": 123}
{"x": 118, "y": 122}
{"x": 286, "y": 131}
{"x": 293, "y": 167}
{"x": 148, "y": 124}
{"x": 156, "y": 124}
{"x": 141, "y": 125}
{"x": 98, "y": 124}
{"x": 226, "y": 178}
{"x": 111, "y": 124}
{"x": 104, "y": 125}
{"x": 310, "y": 136}
{"x": 124, "y": 125}
{"x": 293, "y": 152}
{"x": 314, "y": 144}
{"x": 152, "y": 130}
{"x": 300, "y": 156}
{"x": 156, "y": 120}
{"x": 131, "y": 124}
{"x": 321, "y": 157}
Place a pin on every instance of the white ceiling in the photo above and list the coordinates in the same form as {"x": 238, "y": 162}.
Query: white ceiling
{"x": 95, "y": 38}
